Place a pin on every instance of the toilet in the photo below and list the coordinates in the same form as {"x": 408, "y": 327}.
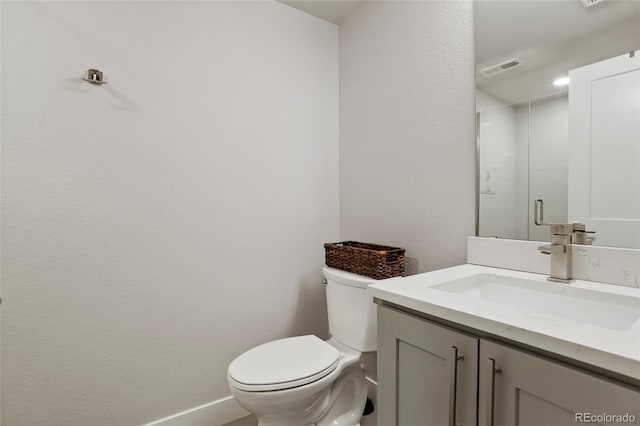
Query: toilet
{"x": 305, "y": 381}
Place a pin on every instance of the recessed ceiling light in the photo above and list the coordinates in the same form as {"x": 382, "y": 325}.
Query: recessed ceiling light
{"x": 561, "y": 81}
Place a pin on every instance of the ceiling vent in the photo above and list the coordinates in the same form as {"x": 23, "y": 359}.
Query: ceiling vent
{"x": 588, "y": 3}
{"x": 503, "y": 66}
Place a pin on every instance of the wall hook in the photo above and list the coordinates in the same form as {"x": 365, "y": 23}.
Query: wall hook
{"x": 95, "y": 76}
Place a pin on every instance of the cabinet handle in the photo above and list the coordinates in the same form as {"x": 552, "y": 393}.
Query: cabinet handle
{"x": 491, "y": 364}
{"x": 453, "y": 383}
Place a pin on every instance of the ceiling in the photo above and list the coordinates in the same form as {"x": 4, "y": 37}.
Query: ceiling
{"x": 334, "y": 11}
{"x": 551, "y": 38}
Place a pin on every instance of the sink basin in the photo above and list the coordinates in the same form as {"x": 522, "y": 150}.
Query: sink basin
{"x": 548, "y": 299}
{"x": 593, "y": 323}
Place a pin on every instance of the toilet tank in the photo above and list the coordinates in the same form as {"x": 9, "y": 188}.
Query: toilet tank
{"x": 352, "y": 313}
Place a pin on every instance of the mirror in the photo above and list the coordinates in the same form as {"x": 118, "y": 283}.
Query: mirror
{"x": 536, "y": 136}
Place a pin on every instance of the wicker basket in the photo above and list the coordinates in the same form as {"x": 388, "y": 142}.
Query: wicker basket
{"x": 371, "y": 260}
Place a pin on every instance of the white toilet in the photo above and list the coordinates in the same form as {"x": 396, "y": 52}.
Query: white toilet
{"x": 305, "y": 381}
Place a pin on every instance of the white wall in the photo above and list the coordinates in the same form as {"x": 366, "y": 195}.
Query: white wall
{"x": 407, "y": 128}
{"x": 156, "y": 227}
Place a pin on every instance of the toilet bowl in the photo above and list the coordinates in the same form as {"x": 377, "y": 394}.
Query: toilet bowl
{"x": 334, "y": 395}
{"x": 305, "y": 381}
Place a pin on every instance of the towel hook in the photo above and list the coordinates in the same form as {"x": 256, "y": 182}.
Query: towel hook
{"x": 95, "y": 76}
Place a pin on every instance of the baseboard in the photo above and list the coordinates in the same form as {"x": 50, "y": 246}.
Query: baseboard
{"x": 215, "y": 413}
{"x": 225, "y": 410}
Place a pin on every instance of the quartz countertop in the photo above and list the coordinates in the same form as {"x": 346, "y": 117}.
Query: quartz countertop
{"x": 614, "y": 349}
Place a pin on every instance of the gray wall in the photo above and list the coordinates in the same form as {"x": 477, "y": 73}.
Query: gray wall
{"x": 407, "y": 128}
{"x": 148, "y": 225}
{"x": 156, "y": 227}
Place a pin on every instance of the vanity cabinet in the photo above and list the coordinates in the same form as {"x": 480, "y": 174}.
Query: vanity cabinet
{"x": 528, "y": 390}
{"x": 427, "y": 373}
{"x": 430, "y": 374}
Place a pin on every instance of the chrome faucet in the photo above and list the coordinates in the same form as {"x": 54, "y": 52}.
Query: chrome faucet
{"x": 563, "y": 235}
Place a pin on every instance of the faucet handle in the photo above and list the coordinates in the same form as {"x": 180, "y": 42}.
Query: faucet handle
{"x": 579, "y": 227}
{"x": 579, "y": 234}
{"x": 580, "y": 237}
{"x": 562, "y": 228}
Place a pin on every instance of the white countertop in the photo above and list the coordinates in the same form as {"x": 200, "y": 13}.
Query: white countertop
{"x": 616, "y": 350}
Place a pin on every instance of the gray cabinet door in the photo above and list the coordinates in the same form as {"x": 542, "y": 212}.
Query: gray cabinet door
{"x": 420, "y": 382}
{"x": 532, "y": 391}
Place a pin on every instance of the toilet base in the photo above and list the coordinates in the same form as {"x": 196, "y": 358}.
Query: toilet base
{"x": 339, "y": 401}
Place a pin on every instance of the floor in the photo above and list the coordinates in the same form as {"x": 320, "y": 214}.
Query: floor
{"x": 369, "y": 420}
{"x": 245, "y": 421}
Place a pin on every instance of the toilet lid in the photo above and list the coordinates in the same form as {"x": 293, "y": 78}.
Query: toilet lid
{"x": 284, "y": 363}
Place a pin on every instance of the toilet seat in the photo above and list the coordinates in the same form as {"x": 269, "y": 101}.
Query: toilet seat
{"x": 283, "y": 364}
